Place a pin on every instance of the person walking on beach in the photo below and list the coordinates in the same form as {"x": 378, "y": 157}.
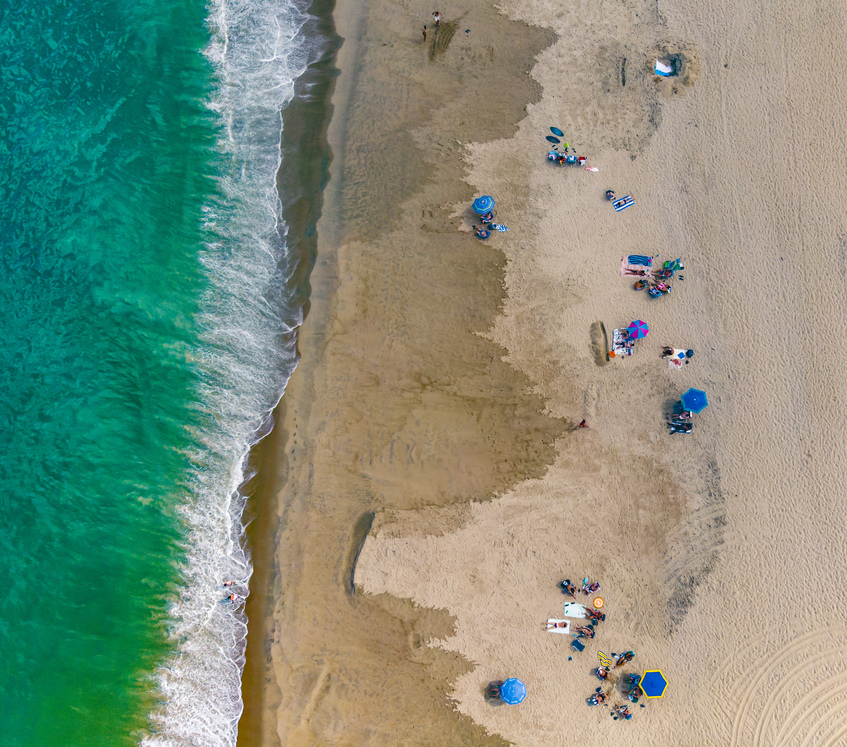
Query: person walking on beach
{"x": 437, "y": 17}
{"x": 424, "y": 32}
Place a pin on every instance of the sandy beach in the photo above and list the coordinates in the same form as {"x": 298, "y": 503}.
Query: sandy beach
{"x": 432, "y": 488}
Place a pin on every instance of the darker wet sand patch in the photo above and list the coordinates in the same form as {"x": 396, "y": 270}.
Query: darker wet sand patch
{"x": 398, "y": 402}
{"x": 599, "y": 343}
{"x": 442, "y": 37}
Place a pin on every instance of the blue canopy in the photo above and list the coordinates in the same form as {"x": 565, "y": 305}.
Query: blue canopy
{"x": 512, "y": 691}
{"x": 695, "y": 400}
{"x": 483, "y": 205}
{"x": 653, "y": 683}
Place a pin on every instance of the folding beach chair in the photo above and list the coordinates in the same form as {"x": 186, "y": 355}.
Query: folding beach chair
{"x": 577, "y": 645}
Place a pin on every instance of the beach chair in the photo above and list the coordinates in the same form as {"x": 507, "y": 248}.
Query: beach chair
{"x": 577, "y": 645}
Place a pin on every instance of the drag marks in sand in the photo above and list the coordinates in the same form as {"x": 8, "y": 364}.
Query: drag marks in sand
{"x": 776, "y": 707}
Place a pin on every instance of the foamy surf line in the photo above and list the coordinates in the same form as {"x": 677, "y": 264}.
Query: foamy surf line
{"x": 250, "y": 317}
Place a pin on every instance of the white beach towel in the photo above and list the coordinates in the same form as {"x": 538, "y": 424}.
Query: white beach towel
{"x": 565, "y": 629}
{"x": 572, "y": 609}
{"x": 676, "y": 359}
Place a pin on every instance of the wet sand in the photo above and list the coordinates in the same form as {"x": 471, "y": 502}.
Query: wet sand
{"x": 398, "y": 401}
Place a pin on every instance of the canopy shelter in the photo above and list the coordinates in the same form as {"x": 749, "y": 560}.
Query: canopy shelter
{"x": 483, "y": 205}
{"x": 653, "y": 683}
{"x": 638, "y": 329}
{"x": 695, "y": 400}
{"x": 512, "y": 691}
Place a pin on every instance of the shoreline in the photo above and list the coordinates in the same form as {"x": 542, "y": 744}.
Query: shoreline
{"x": 305, "y": 161}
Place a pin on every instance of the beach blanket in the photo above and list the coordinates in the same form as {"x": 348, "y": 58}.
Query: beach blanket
{"x": 564, "y": 629}
{"x": 623, "y": 203}
{"x": 573, "y": 609}
{"x": 636, "y": 265}
{"x": 619, "y": 342}
{"x": 676, "y": 359}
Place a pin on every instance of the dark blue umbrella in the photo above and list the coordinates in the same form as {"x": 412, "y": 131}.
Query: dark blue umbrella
{"x": 552, "y": 139}
{"x": 653, "y": 683}
{"x": 483, "y": 205}
{"x": 512, "y": 691}
{"x": 556, "y": 131}
{"x": 695, "y": 400}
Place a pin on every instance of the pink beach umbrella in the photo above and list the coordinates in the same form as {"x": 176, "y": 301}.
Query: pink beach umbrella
{"x": 638, "y": 329}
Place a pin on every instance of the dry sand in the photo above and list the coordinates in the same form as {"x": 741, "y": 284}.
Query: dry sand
{"x": 721, "y": 554}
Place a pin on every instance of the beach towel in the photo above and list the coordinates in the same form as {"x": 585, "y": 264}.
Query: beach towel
{"x": 499, "y": 227}
{"x": 572, "y": 609}
{"x": 619, "y": 342}
{"x": 623, "y": 203}
{"x": 676, "y": 359}
{"x": 565, "y": 629}
{"x": 636, "y": 265}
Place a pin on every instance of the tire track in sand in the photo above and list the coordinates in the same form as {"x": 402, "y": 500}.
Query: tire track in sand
{"x": 766, "y": 670}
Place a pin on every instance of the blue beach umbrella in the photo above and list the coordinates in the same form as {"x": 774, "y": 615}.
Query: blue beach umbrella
{"x": 653, "y": 683}
{"x": 695, "y": 400}
{"x": 483, "y": 205}
{"x": 512, "y": 691}
{"x": 638, "y": 329}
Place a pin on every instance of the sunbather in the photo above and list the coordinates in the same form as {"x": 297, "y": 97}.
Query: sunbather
{"x": 568, "y": 588}
{"x": 553, "y": 624}
{"x": 584, "y": 632}
{"x": 602, "y": 672}
{"x": 598, "y": 698}
{"x": 623, "y": 712}
{"x": 590, "y": 588}
{"x": 595, "y": 615}
{"x": 624, "y": 658}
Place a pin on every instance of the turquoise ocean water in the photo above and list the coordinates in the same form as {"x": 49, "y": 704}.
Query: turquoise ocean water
{"x": 147, "y": 332}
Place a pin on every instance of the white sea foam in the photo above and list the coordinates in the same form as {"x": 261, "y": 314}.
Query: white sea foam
{"x": 258, "y": 49}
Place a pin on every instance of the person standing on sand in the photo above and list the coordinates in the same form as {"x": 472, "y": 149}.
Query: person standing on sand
{"x": 424, "y": 32}
{"x": 437, "y": 17}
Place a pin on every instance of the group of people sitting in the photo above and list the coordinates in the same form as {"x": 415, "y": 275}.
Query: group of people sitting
{"x": 588, "y": 587}
{"x": 680, "y": 419}
{"x": 631, "y": 687}
{"x": 483, "y": 231}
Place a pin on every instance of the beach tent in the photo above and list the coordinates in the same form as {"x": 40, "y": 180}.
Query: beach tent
{"x": 695, "y": 400}
{"x": 664, "y": 68}
{"x": 653, "y": 683}
{"x": 512, "y": 691}
{"x": 483, "y": 205}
